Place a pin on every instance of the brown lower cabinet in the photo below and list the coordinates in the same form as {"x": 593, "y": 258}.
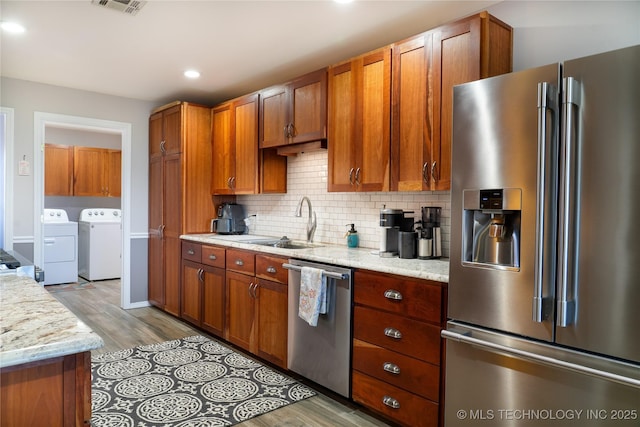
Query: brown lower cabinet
{"x": 237, "y": 295}
{"x": 397, "y": 349}
{"x": 53, "y": 392}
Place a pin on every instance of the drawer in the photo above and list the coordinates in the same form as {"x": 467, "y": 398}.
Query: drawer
{"x": 270, "y": 268}
{"x": 213, "y": 256}
{"x": 398, "y": 405}
{"x": 400, "y": 334}
{"x": 191, "y": 251}
{"x": 241, "y": 261}
{"x": 421, "y": 299}
{"x": 402, "y": 371}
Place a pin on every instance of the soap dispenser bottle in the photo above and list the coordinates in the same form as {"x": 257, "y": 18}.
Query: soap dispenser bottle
{"x": 352, "y": 237}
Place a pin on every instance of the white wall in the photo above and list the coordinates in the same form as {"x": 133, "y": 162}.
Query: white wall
{"x": 544, "y": 32}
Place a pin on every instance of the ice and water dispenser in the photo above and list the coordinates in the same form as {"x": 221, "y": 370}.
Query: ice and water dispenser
{"x": 491, "y": 228}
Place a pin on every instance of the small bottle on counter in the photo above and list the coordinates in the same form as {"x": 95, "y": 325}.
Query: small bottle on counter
{"x": 352, "y": 237}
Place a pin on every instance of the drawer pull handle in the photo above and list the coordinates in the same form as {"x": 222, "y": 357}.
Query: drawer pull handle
{"x": 391, "y": 368}
{"x": 191, "y": 252}
{"x": 393, "y": 294}
{"x": 271, "y": 270}
{"x": 391, "y": 402}
{"x": 239, "y": 262}
{"x": 212, "y": 257}
{"x": 393, "y": 333}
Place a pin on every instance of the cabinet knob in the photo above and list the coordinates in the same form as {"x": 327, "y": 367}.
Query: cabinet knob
{"x": 212, "y": 257}
{"x": 201, "y": 274}
{"x": 358, "y": 176}
{"x": 191, "y": 252}
{"x": 162, "y": 149}
{"x": 391, "y": 402}
{"x": 393, "y": 333}
{"x": 239, "y": 262}
{"x": 391, "y": 368}
{"x": 392, "y": 294}
{"x": 351, "y": 176}
{"x": 271, "y": 270}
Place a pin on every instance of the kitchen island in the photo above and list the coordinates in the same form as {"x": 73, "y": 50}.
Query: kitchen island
{"x": 45, "y": 358}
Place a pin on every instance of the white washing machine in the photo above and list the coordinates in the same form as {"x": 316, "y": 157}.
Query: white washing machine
{"x": 100, "y": 244}
{"x": 60, "y": 247}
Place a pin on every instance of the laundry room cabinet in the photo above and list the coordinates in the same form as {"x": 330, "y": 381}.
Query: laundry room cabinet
{"x": 96, "y": 172}
{"x": 58, "y": 170}
{"x": 179, "y": 193}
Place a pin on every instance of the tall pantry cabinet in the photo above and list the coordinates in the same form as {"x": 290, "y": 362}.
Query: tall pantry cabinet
{"x": 179, "y": 193}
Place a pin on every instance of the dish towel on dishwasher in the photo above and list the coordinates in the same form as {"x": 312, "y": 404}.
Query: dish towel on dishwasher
{"x": 313, "y": 295}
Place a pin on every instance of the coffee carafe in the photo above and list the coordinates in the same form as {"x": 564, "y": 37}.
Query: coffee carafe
{"x": 430, "y": 241}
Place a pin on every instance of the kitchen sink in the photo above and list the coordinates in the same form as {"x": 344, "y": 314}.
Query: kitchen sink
{"x": 283, "y": 243}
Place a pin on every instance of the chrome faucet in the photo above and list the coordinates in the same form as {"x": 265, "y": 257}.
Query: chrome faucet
{"x": 312, "y": 223}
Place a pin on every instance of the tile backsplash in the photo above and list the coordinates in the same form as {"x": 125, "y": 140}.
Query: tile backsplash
{"x": 307, "y": 176}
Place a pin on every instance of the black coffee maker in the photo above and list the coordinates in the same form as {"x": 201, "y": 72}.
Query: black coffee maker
{"x": 430, "y": 241}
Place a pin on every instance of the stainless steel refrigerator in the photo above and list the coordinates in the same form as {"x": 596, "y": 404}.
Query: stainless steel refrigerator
{"x": 544, "y": 286}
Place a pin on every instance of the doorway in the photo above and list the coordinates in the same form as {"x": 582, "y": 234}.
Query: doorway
{"x": 6, "y": 178}
{"x": 44, "y": 120}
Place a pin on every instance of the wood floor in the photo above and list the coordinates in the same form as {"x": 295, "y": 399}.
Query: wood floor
{"x": 99, "y": 308}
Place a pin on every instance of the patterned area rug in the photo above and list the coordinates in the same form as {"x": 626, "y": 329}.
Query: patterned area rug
{"x": 191, "y": 382}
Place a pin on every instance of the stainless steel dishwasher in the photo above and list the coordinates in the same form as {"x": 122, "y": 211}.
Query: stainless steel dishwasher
{"x": 322, "y": 353}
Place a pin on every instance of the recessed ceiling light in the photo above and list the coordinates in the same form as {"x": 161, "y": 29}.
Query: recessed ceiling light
{"x": 343, "y": 1}
{"x": 192, "y": 74}
{"x": 12, "y": 27}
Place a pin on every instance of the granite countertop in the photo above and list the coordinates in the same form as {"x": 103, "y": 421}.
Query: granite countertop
{"x": 35, "y": 326}
{"x": 437, "y": 269}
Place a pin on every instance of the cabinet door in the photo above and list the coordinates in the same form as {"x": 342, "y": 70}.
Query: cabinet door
{"x": 213, "y": 300}
{"x": 223, "y": 150}
{"x": 88, "y": 171}
{"x": 156, "y": 258}
{"x": 172, "y": 130}
{"x": 272, "y": 322}
{"x": 342, "y": 127}
{"x": 308, "y": 107}
{"x": 156, "y": 134}
{"x": 359, "y": 123}
{"x": 172, "y": 221}
{"x": 372, "y": 167}
{"x": 245, "y": 131}
{"x": 191, "y": 304}
{"x": 412, "y": 115}
{"x": 273, "y": 117}
{"x": 58, "y": 170}
{"x": 240, "y": 310}
{"x": 113, "y": 174}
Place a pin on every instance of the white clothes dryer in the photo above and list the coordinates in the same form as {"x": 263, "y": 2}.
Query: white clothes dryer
{"x": 100, "y": 244}
{"x": 60, "y": 247}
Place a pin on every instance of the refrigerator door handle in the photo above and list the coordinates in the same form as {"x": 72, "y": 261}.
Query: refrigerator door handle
{"x": 466, "y": 338}
{"x": 546, "y": 103}
{"x": 569, "y": 200}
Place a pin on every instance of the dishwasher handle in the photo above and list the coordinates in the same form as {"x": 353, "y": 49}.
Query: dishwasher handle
{"x": 330, "y": 274}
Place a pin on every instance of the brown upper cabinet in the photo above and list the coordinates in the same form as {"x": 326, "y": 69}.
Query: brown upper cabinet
{"x": 96, "y": 172}
{"x": 82, "y": 171}
{"x": 295, "y": 112}
{"x": 425, "y": 69}
{"x": 235, "y": 146}
{"x": 238, "y": 166}
{"x": 58, "y": 170}
{"x": 358, "y": 121}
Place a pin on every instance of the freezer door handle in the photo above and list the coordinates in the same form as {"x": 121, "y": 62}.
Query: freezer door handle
{"x": 569, "y": 200}
{"x": 545, "y": 195}
{"x": 467, "y": 338}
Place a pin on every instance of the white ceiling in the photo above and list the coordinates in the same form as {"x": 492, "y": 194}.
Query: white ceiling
{"x": 238, "y": 46}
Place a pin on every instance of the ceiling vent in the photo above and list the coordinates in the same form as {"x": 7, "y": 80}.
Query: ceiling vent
{"x": 130, "y": 7}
